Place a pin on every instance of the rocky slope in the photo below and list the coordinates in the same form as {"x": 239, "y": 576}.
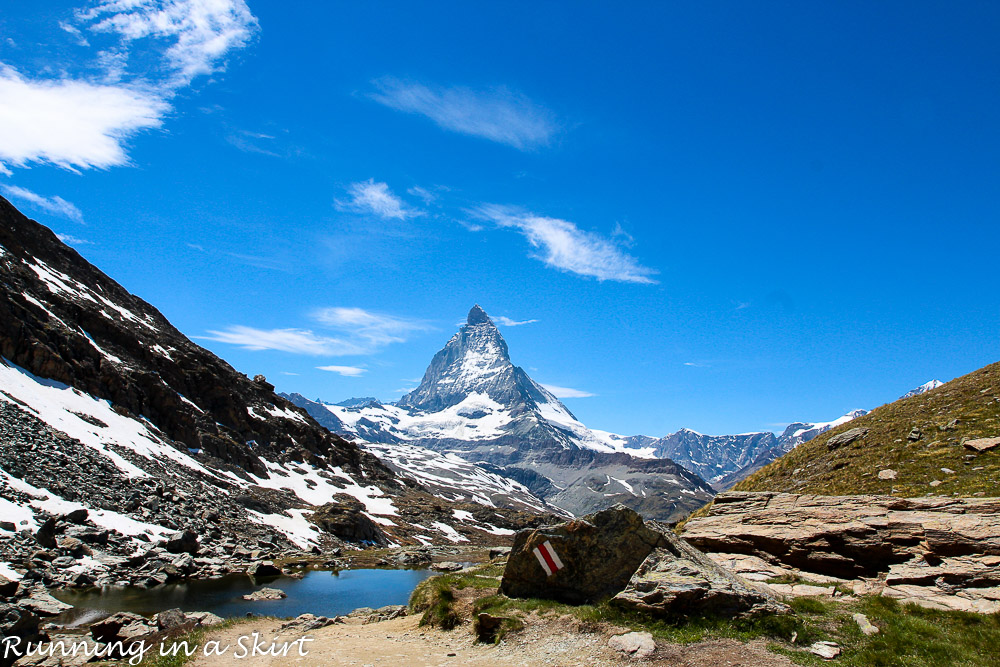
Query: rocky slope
{"x": 475, "y": 403}
{"x": 106, "y": 407}
{"x": 913, "y": 447}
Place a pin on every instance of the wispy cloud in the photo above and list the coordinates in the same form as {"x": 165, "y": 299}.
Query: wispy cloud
{"x": 497, "y": 114}
{"x": 72, "y": 124}
{"x": 296, "y": 341}
{"x": 374, "y": 197}
{"x": 374, "y": 329}
{"x": 72, "y": 240}
{"x": 346, "y": 371}
{"x": 359, "y": 332}
{"x": 565, "y": 246}
{"x": 84, "y": 123}
{"x": 567, "y": 392}
{"x": 742, "y": 305}
{"x": 508, "y": 322}
{"x": 200, "y": 32}
{"x": 696, "y": 364}
{"x": 55, "y": 205}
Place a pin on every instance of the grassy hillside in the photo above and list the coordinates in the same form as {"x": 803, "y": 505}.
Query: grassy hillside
{"x": 965, "y": 408}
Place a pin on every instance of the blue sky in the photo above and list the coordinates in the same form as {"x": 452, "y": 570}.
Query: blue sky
{"x": 722, "y": 216}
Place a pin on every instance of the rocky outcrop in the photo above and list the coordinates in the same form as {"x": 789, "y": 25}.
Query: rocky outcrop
{"x": 347, "y": 520}
{"x": 614, "y": 554}
{"x": 676, "y": 579}
{"x": 942, "y": 551}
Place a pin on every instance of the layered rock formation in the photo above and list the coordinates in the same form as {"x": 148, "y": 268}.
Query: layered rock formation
{"x": 940, "y": 551}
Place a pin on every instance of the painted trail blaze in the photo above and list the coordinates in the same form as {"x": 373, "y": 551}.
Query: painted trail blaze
{"x": 548, "y": 558}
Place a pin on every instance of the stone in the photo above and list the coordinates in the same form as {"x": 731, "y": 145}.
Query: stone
{"x": 123, "y": 626}
{"x": 825, "y": 650}
{"x": 306, "y": 623}
{"x": 77, "y": 516}
{"x": 887, "y": 474}
{"x": 8, "y": 526}
{"x": 41, "y": 603}
{"x": 599, "y": 553}
{"x": 846, "y": 438}
{"x": 205, "y": 618}
{"x": 446, "y": 566}
{"x": 8, "y": 588}
{"x": 347, "y": 520}
{"x": 498, "y": 553}
{"x": 904, "y": 546}
{"x": 640, "y": 565}
{"x": 46, "y": 534}
{"x": 185, "y": 541}
{"x": 866, "y": 626}
{"x": 981, "y": 444}
{"x": 264, "y": 568}
{"x": 386, "y": 613}
{"x": 17, "y": 621}
{"x": 634, "y": 644}
{"x": 171, "y": 618}
{"x": 678, "y": 580}
{"x": 265, "y": 594}
{"x": 914, "y": 434}
{"x": 73, "y": 546}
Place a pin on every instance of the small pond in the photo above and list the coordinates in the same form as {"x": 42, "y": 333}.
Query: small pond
{"x": 320, "y": 592}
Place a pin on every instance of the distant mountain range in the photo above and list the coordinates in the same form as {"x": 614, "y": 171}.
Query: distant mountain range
{"x": 474, "y": 403}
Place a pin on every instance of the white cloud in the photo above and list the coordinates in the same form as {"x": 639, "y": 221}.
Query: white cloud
{"x": 362, "y": 332}
{"x": 424, "y": 194}
{"x": 346, "y": 371}
{"x": 55, "y": 205}
{"x": 200, "y": 32}
{"x": 508, "y": 322}
{"x": 72, "y": 240}
{"x": 565, "y": 246}
{"x": 77, "y": 123}
{"x": 371, "y": 197}
{"x": 567, "y": 392}
{"x": 497, "y": 114}
{"x": 72, "y": 124}
{"x": 296, "y": 341}
{"x": 373, "y": 329}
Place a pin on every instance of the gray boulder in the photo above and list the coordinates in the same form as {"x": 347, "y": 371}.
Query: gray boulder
{"x": 182, "y": 542}
{"x": 599, "y": 553}
{"x": 639, "y": 565}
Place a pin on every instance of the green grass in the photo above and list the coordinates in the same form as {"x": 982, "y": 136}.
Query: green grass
{"x": 195, "y": 639}
{"x": 973, "y": 400}
{"x": 910, "y": 636}
{"x": 435, "y": 598}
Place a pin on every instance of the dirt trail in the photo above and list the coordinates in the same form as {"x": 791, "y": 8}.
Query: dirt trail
{"x": 545, "y": 641}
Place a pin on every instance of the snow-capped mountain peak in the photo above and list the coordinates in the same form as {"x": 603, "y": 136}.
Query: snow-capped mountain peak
{"x": 922, "y": 389}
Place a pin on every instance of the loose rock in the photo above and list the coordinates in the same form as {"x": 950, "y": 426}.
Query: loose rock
{"x": 634, "y": 644}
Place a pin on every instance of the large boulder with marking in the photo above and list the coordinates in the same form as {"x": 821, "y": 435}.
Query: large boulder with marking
{"x": 640, "y": 565}
{"x": 578, "y": 561}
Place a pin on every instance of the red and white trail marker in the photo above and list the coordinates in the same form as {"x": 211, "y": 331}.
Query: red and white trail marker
{"x": 548, "y": 558}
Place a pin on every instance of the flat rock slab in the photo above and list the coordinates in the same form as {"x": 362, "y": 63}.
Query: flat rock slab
{"x": 266, "y": 594}
{"x": 981, "y": 444}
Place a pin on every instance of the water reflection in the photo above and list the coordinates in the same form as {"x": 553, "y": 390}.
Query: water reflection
{"x": 319, "y": 592}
